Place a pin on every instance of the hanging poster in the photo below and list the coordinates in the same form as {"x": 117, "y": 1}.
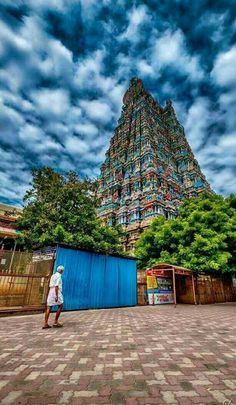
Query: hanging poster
{"x": 159, "y": 289}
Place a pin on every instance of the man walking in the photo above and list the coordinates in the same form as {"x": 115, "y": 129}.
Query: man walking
{"x": 55, "y": 297}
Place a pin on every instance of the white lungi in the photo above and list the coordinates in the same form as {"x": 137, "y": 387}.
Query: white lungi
{"x": 55, "y": 281}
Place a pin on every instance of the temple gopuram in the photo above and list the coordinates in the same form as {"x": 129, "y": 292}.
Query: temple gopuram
{"x": 149, "y": 167}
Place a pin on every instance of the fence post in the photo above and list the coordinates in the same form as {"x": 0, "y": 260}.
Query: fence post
{"x": 194, "y": 293}
{"x": 12, "y": 257}
{"x": 50, "y": 274}
{"x": 174, "y": 287}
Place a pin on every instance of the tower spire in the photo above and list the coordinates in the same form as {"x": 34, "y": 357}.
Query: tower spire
{"x": 135, "y": 88}
{"x": 149, "y": 167}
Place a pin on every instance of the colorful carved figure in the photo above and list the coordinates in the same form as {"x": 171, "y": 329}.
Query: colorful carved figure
{"x": 149, "y": 160}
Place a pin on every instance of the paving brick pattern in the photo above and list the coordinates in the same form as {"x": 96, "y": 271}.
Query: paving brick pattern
{"x": 142, "y": 355}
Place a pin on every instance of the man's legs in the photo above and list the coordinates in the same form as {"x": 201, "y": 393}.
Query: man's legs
{"x": 47, "y": 313}
{"x": 58, "y": 314}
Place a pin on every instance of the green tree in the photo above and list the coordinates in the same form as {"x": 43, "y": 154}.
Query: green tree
{"x": 62, "y": 209}
{"x": 202, "y": 237}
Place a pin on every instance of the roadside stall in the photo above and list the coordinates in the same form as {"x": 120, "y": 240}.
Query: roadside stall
{"x": 169, "y": 284}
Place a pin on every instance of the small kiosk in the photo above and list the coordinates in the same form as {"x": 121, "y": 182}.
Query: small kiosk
{"x": 169, "y": 284}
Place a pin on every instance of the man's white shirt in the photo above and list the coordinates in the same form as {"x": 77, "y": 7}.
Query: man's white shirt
{"x": 55, "y": 281}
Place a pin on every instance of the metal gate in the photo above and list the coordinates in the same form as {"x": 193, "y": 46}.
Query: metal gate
{"x": 24, "y": 279}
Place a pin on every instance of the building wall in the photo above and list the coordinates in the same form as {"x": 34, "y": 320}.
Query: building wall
{"x": 8, "y": 229}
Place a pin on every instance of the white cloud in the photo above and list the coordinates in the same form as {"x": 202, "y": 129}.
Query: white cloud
{"x": 14, "y": 183}
{"x": 227, "y": 99}
{"x": 65, "y": 163}
{"x": 58, "y": 129}
{"x": 30, "y": 133}
{"x": 10, "y": 121}
{"x": 76, "y": 146}
{"x": 170, "y": 50}
{"x": 145, "y": 69}
{"x": 38, "y": 54}
{"x": 216, "y": 154}
{"x": 9, "y": 39}
{"x": 97, "y": 110}
{"x": 214, "y": 24}
{"x": 224, "y": 68}
{"x": 197, "y": 121}
{"x": 223, "y": 151}
{"x": 49, "y": 4}
{"x": 89, "y": 70}
{"x": 224, "y": 75}
{"x": 220, "y": 153}
{"x": 227, "y": 106}
{"x": 87, "y": 129}
{"x": 115, "y": 95}
{"x": 125, "y": 65}
{"x": 11, "y": 78}
{"x": 90, "y": 75}
{"x": 89, "y": 8}
{"x": 58, "y": 61}
{"x": 91, "y": 172}
{"x": 99, "y": 157}
{"x": 136, "y": 17}
{"x": 35, "y": 140}
{"x": 51, "y": 103}
{"x": 222, "y": 181}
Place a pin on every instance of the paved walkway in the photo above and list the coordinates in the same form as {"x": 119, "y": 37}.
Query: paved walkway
{"x": 142, "y": 355}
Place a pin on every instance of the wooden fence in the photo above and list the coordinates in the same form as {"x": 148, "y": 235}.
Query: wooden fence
{"x": 23, "y": 279}
{"x": 213, "y": 288}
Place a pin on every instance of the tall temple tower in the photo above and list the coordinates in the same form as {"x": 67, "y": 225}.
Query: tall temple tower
{"x": 149, "y": 167}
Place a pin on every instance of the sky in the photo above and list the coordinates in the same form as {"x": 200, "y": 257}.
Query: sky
{"x": 65, "y": 65}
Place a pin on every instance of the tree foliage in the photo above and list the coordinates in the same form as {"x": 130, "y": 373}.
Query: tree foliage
{"x": 202, "y": 237}
{"x": 63, "y": 209}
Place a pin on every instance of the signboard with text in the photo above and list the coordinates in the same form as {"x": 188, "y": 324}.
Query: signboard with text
{"x": 159, "y": 288}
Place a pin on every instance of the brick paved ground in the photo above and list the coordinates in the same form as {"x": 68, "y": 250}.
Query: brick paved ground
{"x": 142, "y": 355}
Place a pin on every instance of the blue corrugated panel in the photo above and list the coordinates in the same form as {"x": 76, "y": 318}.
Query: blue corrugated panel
{"x": 93, "y": 280}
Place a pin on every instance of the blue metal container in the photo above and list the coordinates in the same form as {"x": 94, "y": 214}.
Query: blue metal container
{"x": 93, "y": 280}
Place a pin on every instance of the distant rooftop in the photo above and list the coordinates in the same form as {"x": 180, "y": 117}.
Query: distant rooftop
{"x": 8, "y": 209}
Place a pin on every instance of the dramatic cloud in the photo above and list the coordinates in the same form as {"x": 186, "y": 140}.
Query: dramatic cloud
{"x": 136, "y": 17}
{"x": 197, "y": 122}
{"x": 170, "y": 50}
{"x": 224, "y": 68}
{"x": 65, "y": 66}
